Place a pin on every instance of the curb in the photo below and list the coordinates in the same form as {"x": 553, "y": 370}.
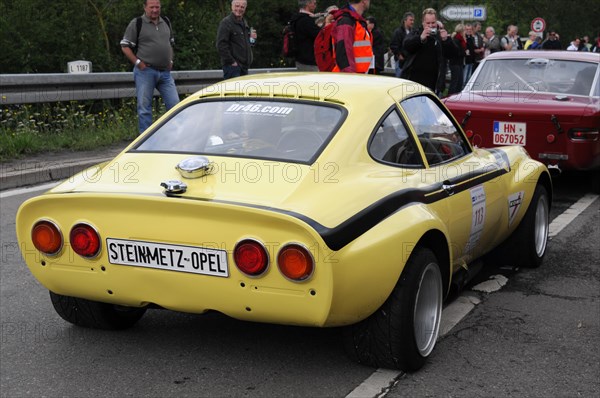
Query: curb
{"x": 39, "y": 172}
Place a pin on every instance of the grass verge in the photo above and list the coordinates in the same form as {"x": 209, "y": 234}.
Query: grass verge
{"x": 36, "y": 128}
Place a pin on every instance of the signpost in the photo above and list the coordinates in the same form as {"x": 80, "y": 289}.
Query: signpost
{"x": 464, "y": 13}
{"x": 538, "y": 25}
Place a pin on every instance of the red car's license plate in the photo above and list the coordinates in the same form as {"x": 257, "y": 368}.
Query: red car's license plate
{"x": 509, "y": 133}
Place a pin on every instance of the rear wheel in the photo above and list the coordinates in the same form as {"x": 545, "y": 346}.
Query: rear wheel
{"x": 531, "y": 236}
{"x": 403, "y": 331}
{"x": 93, "y": 314}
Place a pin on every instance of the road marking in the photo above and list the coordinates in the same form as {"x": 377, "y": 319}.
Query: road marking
{"x": 382, "y": 380}
{"x": 456, "y": 311}
{"x": 377, "y": 385}
{"x": 21, "y": 191}
{"x": 493, "y": 284}
{"x": 560, "y": 222}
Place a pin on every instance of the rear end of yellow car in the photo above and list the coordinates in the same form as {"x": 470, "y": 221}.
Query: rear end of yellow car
{"x": 180, "y": 254}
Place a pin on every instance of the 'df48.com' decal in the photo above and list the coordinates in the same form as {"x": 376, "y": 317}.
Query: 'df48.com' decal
{"x": 263, "y": 109}
{"x": 514, "y": 204}
{"x": 478, "y": 218}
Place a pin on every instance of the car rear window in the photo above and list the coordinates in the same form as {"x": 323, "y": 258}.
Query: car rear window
{"x": 535, "y": 75}
{"x": 280, "y": 130}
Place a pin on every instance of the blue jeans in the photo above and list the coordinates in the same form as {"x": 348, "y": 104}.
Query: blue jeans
{"x": 230, "y": 71}
{"x": 467, "y": 72}
{"x": 145, "y": 82}
{"x": 398, "y": 69}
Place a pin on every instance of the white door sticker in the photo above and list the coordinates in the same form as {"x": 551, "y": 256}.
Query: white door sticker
{"x": 478, "y": 219}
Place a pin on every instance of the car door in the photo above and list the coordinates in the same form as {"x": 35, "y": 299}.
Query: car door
{"x": 467, "y": 183}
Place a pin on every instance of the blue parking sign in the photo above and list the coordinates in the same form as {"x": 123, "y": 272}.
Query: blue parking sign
{"x": 478, "y": 12}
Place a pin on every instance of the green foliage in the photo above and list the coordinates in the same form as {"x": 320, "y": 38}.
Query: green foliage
{"x": 38, "y": 36}
{"x": 29, "y": 129}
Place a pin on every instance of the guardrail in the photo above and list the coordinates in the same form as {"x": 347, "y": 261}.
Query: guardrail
{"x": 57, "y": 87}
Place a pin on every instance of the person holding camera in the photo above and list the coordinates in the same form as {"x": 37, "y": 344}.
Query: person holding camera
{"x": 427, "y": 50}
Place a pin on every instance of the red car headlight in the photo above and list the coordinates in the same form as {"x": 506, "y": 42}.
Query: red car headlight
{"x": 46, "y": 237}
{"x": 85, "y": 240}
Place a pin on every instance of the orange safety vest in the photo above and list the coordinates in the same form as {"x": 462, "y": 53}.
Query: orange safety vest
{"x": 362, "y": 48}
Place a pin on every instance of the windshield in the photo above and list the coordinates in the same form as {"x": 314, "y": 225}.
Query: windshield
{"x": 288, "y": 131}
{"x": 535, "y": 75}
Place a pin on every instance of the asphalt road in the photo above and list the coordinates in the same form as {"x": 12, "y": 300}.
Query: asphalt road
{"x": 537, "y": 336}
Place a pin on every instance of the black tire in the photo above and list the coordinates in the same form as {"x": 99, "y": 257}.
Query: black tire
{"x": 595, "y": 187}
{"x": 529, "y": 241}
{"x": 402, "y": 333}
{"x": 93, "y": 314}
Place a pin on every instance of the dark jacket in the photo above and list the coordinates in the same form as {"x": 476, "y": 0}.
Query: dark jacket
{"x": 379, "y": 49}
{"x": 470, "y": 59}
{"x": 396, "y": 44}
{"x": 458, "y": 58}
{"x": 233, "y": 42}
{"x": 305, "y": 33}
{"x": 551, "y": 45}
{"x": 426, "y": 60}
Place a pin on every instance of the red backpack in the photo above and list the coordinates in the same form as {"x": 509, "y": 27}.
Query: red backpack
{"x": 289, "y": 40}
{"x": 324, "y": 54}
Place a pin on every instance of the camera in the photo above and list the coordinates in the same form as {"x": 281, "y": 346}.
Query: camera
{"x": 433, "y": 32}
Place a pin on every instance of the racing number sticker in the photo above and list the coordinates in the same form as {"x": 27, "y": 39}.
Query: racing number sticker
{"x": 478, "y": 218}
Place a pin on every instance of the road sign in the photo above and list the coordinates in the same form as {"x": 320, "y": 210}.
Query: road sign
{"x": 464, "y": 13}
{"x": 538, "y": 25}
{"x": 79, "y": 67}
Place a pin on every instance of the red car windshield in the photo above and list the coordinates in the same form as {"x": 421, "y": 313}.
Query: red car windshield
{"x": 535, "y": 75}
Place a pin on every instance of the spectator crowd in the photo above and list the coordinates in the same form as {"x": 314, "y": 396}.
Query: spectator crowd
{"x": 420, "y": 49}
{"x": 349, "y": 40}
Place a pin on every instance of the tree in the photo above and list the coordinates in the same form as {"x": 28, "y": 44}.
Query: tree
{"x": 38, "y": 36}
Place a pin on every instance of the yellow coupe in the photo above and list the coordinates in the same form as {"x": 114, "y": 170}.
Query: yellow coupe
{"x": 302, "y": 199}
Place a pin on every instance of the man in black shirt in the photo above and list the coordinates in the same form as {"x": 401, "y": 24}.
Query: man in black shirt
{"x": 305, "y": 33}
{"x": 552, "y": 42}
{"x": 428, "y": 48}
{"x": 400, "y": 34}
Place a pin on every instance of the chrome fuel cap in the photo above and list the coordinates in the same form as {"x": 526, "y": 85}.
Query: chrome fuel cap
{"x": 174, "y": 187}
{"x": 195, "y": 167}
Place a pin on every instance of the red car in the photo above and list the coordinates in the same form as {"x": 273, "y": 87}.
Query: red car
{"x": 546, "y": 101}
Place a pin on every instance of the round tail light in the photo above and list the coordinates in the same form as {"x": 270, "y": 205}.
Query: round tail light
{"x": 251, "y": 257}
{"x": 295, "y": 262}
{"x": 85, "y": 241}
{"x": 46, "y": 237}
